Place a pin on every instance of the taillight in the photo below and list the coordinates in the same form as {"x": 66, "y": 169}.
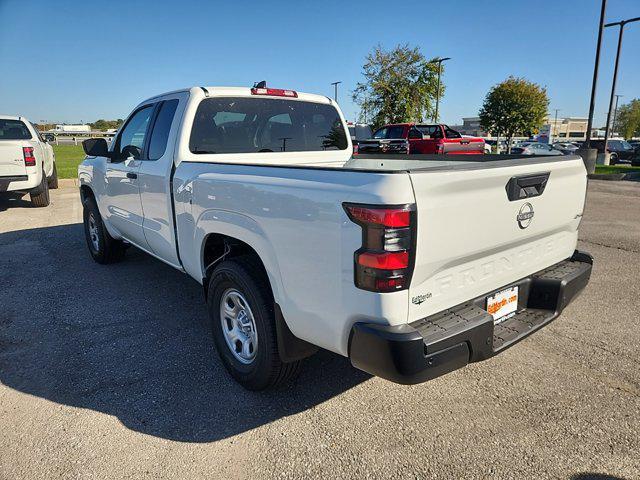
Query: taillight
{"x": 440, "y": 147}
{"x": 274, "y": 92}
{"x": 355, "y": 149}
{"x": 29, "y": 159}
{"x": 384, "y": 263}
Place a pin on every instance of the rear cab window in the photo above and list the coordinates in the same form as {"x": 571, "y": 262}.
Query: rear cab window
{"x": 259, "y": 125}
{"x": 161, "y": 128}
{"x": 14, "y": 130}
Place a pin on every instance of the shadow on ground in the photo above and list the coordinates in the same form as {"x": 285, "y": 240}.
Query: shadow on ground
{"x": 12, "y": 200}
{"x": 131, "y": 340}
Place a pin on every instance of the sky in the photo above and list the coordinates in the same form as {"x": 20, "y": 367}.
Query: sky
{"x": 70, "y": 61}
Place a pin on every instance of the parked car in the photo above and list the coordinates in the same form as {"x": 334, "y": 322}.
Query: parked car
{"x": 27, "y": 161}
{"x": 300, "y": 245}
{"x": 621, "y": 151}
{"x": 535, "y": 148}
{"x": 358, "y": 133}
{"x": 565, "y": 147}
{"x": 421, "y": 139}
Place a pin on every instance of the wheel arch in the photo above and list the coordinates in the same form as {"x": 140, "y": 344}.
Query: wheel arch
{"x": 218, "y": 247}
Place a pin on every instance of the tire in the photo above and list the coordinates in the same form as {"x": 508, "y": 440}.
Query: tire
{"x": 53, "y": 179}
{"x": 244, "y": 277}
{"x": 40, "y": 194}
{"x": 104, "y": 249}
{"x": 613, "y": 159}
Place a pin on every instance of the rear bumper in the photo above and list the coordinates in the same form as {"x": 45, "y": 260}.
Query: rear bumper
{"x": 446, "y": 341}
{"x": 19, "y": 182}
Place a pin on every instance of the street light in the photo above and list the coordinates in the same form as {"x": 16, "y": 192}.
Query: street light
{"x": 615, "y": 113}
{"x": 335, "y": 92}
{"x": 555, "y": 125}
{"x": 621, "y": 24}
{"x": 439, "y": 62}
{"x": 595, "y": 75}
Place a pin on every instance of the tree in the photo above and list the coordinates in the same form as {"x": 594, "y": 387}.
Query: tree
{"x": 400, "y": 86}
{"x": 514, "y": 107}
{"x": 106, "y": 124}
{"x": 628, "y": 119}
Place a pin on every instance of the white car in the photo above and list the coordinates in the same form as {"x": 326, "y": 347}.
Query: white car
{"x": 410, "y": 267}
{"x": 27, "y": 161}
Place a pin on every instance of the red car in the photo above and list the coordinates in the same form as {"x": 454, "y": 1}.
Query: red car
{"x": 434, "y": 138}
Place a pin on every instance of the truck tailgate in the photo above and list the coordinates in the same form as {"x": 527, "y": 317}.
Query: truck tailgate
{"x": 11, "y": 157}
{"x": 472, "y": 239}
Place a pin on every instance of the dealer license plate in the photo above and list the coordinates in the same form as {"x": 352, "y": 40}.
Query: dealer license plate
{"x": 503, "y": 304}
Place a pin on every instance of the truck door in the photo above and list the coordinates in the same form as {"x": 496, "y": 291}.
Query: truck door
{"x": 123, "y": 208}
{"x": 154, "y": 178}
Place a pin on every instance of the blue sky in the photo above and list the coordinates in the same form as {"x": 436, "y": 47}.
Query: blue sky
{"x": 70, "y": 61}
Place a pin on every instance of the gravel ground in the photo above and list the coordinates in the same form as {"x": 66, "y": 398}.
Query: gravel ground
{"x": 109, "y": 372}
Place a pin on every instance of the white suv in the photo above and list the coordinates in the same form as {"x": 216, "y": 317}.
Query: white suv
{"x": 27, "y": 161}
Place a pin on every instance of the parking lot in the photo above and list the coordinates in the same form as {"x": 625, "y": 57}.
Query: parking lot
{"x": 110, "y": 371}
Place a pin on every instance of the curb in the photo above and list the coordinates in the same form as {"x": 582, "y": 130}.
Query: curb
{"x": 68, "y": 182}
{"x": 615, "y": 177}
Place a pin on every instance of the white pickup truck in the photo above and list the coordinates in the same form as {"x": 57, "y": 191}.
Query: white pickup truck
{"x": 411, "y": 266}
{"x": 27, "y": 161}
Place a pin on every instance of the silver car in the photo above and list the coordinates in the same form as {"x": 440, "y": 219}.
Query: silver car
{"x": 535, "y": 148}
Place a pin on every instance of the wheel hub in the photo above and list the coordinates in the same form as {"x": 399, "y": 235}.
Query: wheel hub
{"x": 238, "y": 326}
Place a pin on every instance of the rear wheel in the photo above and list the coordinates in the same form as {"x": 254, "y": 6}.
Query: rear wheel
{"x": 242, "y": 319}
{"x": 40, "y": 194}
{"x": 53, "y": 179}
{"x": 613, "y": 159}
{"x": 102, "y": 246}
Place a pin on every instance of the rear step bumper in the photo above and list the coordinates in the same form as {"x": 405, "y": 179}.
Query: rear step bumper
{"x": 446, "y": 341}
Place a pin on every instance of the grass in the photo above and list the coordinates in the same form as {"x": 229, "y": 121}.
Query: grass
{"x": 610, "y": 169}
{"x": 67, "y": 159}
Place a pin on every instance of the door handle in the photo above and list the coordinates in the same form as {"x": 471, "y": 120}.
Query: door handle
{"x": 526, "y": 186}
{"x": 132, "y": 175}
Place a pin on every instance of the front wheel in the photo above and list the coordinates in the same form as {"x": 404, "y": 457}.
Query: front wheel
{"x": 242, "y": 319}
{"x": 613, "y": 159}
{"x": 102, "y": 246}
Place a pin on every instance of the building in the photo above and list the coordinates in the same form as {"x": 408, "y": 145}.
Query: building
{"x": 569, "y": 128}
{"x": 470, "y": 126}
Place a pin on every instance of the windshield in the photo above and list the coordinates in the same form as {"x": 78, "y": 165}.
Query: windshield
{"x": 13, "y": 130}
{"x": 249, "y": 125}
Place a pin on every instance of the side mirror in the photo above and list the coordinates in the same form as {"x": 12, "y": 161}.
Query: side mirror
{"x": 96, "y": 147}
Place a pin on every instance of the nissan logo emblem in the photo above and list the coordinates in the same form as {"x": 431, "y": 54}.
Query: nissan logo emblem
{"x": 525, "y": 215}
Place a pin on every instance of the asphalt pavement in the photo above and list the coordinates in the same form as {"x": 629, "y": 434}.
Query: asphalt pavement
{"x": 109, "y": 372}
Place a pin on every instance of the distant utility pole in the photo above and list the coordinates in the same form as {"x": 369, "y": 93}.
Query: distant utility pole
{"x": 335, "y": 91}
{"x": 555, "y": 125}
{"x": 439, "y": 62}
{"x": 615, "y": 114}
{"x": 592, "y": 104}
{"x": 621, "y": 24}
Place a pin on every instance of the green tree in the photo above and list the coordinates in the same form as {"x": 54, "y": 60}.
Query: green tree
{"x": 399, "y": 86}
{"x": 106, "y": 124}
{"x": 628, "y": 119}
{"x": 514, "y": 107}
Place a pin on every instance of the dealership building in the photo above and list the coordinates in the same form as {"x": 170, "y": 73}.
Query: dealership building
{"x": 569, "y": 128}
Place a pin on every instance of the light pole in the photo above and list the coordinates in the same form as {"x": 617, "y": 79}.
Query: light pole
{"x": 335, "y": 91}
{"x": 615, "y": 113}
{"x": 555, "y": 125}
{"x": 592, "y": 104}
{"x": 439, "y": 62}
{"x": 621, "y": 24}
